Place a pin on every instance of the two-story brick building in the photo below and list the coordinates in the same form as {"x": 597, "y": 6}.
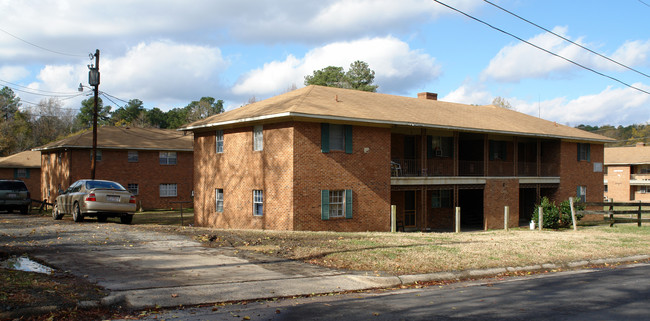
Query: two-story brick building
{"x": 154, "y": 164}
{"x": 321, "y": 158}
{"x": 24, "y": 166}
{"x": 627, "y": 173}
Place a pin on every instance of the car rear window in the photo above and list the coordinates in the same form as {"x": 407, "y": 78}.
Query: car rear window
{"x": 104, "y": 185}
{"x": 13, "y": 186}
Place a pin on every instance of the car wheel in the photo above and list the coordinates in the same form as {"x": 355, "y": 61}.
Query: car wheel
{"x": 102, "y": 218}
{"x": 24, "y": 209}
{"x": 55, "y": 212}
{"x": 126, "y": 219}
{"x": 10, "y": 211}
{"x": 76, "y": 214}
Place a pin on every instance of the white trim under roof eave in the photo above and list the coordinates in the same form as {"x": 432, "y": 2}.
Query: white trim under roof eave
{"x": 115, "y": 148}
{"x": 386, "y": 122}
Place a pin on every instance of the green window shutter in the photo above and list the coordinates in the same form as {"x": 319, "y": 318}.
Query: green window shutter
{"x": 325, "y": 204}
{"x": 325, "y": 137}
{"x": 348, "y": 203}
{"x": 27, "y": 174}
{"x": 578, "y": 198}
{"x": 15, "y": 173}
{"x": 348, "y": 139}
{"x": 588, "y": 152}
{"x": 429, "y": 146}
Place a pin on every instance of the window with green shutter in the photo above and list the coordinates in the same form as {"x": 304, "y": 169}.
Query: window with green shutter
{"x": 336, "y": 204}
{"x": 336, "y": 137}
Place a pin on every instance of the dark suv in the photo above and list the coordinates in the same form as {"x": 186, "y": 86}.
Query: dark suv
{"x": 14, "y": 196}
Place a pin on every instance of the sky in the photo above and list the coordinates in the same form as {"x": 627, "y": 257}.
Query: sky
{"x": 169, "y": 53}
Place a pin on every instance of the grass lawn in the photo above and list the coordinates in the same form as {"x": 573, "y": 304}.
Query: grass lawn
{"x": 408, "y": 253}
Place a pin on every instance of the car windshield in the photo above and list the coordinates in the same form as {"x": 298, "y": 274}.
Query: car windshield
{"x": 104, "y": 185}
{"x": 13, "y": 186}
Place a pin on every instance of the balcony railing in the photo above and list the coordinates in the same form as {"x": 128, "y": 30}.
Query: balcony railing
{"x": 470, "y": 168}
{"x": 445, "y": 167}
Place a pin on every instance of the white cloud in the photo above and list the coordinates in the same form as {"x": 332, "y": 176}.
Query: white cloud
{"x": 13, "y": 73}
{"x": 520, "y": 61}
{"x": 610, "y": 106}
{"x": 164, "y": 70}
{"x": 469, "y": 93}
{"x": 397, "y": 67}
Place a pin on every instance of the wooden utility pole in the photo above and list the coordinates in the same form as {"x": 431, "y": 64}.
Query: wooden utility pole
{"x": 93, "y": 78}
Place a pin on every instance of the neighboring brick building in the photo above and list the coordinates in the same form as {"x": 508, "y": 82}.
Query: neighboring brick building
{"x": 154, "y": 164}
{"x": 627, "y": 173}
{"x": 24, "y": 166}
{"x": 321, "y": 158}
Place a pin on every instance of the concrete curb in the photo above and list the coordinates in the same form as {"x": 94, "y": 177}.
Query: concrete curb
{"x": 269, "y": 289}
{"x": 459, "y": 275}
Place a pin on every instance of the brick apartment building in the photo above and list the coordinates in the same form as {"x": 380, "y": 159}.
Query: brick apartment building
{"x": 24, "y": 166}
{"x": 321, "y": 158}
{"x": 154, "y": 164}
{"x": 627, "y": 173}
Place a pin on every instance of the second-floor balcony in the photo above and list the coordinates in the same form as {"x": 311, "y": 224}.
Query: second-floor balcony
{"x": 447, "y": 167}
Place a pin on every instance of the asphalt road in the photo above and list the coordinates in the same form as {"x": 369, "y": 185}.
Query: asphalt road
{"x": 619, "y": 293}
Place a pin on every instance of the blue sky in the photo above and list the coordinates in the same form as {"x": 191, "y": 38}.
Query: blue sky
{"x": 168, "y": 53}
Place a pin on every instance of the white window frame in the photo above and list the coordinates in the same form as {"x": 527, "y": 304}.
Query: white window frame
{"x": 133, "y": 188}
{"x": 133, "y": 156}
{"x": 218, "y": 198}
{"x": 168, "y": 190}
{"x": 258, "y": 138}
{"x": 98, "y": 157}
{"x": 219, "y": 141}
{"x": 168, "y": 158}
{"x": 337, "y": 137}
{"x": 582, "y": 194}
{"x": 21, "y": 172}
{"x": 337, "y": 203}
{"x": 258, "y": 202}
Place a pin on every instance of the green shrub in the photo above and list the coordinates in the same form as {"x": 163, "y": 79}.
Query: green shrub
{"x": 555, "y": 217}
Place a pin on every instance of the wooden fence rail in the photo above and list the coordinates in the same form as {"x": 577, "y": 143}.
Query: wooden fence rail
{"x": 611, "y": 211}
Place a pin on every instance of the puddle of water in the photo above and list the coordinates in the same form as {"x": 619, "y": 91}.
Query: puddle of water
{"x": 24, "y": 263}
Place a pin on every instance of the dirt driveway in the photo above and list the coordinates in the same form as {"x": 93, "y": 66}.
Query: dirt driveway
{"x": 141, "y": 267}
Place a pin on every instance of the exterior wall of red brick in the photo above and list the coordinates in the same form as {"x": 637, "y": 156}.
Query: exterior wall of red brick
{"x": 497, "y": 194}
{"x": 33, "y": 182}
{"x": 576, "y": 173}
{"x": 55, "y": 173}
{"x": 238, "y": 171}
{"x": 618, "y": 183}
{"x": 147, "y": 173}
{"x": 292, "y": 170}
{"x": 366, "y": 172}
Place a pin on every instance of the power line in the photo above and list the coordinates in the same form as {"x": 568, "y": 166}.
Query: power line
{"x": 644, "y": 3}
{"x": 542, "y": 49}
{"x": 566, "y": 39}
{"x": 34, "y": 89}
{"x": 41, "y": 47}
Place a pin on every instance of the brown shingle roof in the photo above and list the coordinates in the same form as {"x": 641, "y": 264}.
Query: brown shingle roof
{"x": 126, "y": 138}
{"x": 26, "y": 159}
{"x": 328, "y": 103}
{"x": 627, "y": 155}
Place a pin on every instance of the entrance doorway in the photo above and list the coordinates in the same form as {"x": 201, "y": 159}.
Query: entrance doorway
{"x": 471, "y": 208}
{"x": 409, "y": 208}
{"x": 527, "y": 200}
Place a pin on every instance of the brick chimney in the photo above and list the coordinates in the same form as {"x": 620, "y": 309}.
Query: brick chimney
{"x": 427, "y": 95}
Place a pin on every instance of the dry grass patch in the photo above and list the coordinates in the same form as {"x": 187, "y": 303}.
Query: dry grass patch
{"x": 405, "y": 253}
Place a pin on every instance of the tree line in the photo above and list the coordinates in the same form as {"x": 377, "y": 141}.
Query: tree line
{"x": 624, "y": 135}
{"x": 25, "y": 128}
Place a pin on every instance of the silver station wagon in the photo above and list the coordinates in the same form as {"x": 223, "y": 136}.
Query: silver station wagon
{"x": 99, "y": 198}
